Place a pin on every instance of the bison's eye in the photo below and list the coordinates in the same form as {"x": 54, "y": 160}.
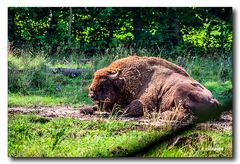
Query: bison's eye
{"x": 101, "y": 88}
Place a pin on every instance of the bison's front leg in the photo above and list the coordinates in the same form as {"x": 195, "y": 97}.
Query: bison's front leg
{"x": 134, "y": 109}
{"x": 88, "y": 109}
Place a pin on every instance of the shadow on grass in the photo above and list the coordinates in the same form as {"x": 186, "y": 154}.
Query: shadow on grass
{"x": 139, "y": 152}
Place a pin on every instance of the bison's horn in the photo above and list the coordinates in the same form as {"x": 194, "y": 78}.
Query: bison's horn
{"x": 113, "y": 76}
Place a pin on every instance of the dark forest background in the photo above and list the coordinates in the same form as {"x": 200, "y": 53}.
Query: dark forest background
{"x": 171, "y": 31}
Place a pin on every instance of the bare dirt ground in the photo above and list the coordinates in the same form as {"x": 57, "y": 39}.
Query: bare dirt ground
{"x": 223, "y": 123}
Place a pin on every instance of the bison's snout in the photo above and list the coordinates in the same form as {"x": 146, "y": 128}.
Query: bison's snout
{"x": 92, "y": 95}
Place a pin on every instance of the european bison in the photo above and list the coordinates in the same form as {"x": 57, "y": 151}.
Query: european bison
{"x": 150, "y": 83}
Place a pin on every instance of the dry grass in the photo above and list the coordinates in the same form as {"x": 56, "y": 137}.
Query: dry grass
{"x": 174, "y": 118}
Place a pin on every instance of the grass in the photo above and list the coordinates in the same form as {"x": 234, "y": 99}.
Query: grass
{"x": 35, "y": 136}
{"x": 195, "y": 143}
{"x": 32, "y": 84}
{"x": 34, "y": 100}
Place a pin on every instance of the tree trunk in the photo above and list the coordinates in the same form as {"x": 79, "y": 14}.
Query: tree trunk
{"x": 137, "y": 24}
{"x": 70, "y": 26}
{"x": 174, "y": 26}
{"x": 52, "y": 31}
{"x": 11, "y": 25}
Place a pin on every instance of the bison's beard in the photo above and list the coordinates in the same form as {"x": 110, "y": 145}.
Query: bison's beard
{"x": 104, "y": 105}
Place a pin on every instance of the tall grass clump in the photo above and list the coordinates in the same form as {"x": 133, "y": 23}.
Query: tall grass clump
{"x": 27, "y": 73}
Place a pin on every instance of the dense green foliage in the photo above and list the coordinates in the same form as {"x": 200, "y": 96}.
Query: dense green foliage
{"x": 90, "y": 30}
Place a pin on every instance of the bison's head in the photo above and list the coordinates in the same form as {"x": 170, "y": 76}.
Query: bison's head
{"x": 106, "y": 88}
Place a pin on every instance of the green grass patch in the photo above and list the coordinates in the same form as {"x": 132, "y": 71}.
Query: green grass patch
{"x": 15, "y": 100}
{"x": 220, "y": 90}
{"x": 33, "y": 100}
{"x": 195, "y": 143}
{"x": 35, "y": 136}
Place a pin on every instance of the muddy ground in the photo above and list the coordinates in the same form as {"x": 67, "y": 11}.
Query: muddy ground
{"x": 223, "y": 123}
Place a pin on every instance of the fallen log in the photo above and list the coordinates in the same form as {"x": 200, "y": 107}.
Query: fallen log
{"x": 69, "y": 71}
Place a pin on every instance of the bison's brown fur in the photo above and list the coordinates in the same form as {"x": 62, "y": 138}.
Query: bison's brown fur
{"x": 138, "y": 83}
